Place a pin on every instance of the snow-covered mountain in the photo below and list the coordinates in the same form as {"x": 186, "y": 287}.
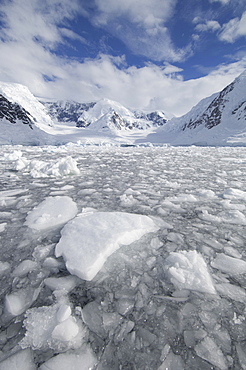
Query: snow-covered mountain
{"x": 104, "y": 115}
{"x": 68, "y": 111}
{"x": 23, "y": 119}
{"x": 217, "y": 120}
{"x": 20, "y": 94}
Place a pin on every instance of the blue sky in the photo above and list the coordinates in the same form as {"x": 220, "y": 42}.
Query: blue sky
{"x": 146, "y": 54}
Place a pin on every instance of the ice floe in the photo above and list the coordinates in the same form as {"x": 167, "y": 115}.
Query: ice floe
{"x": 52, "y": 212}
{"x": 89, "y": 239}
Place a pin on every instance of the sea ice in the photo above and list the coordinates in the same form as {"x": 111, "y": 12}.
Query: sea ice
{"x": 89, "y": 239}
{"x": 52, "y": 327}
{"x": 25, "y": 267}
{"x": 230, "y": 265}
{"x": 188, "y": 270}
{"x": 17, "y": 302}
{"x": 66, "y": 283}
{"x": 209, "y": 351}
{"x": 52, "y": 212}
{"x": 63, "y": 167}
{"x": 21, "y": 360}
{"x": 232, "y": 291}
{"x": 82, "y": 360}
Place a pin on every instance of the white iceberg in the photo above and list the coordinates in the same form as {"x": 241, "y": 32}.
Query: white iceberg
{"x": 90, "y": 238}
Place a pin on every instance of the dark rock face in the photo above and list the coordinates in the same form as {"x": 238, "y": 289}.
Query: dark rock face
{"x": 69, "y": 111}
{"x": 212, "y": 115}
{"x": 13, "y": 112}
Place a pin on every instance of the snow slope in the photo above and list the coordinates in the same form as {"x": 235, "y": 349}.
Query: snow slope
{"x": 217, "y": 120}
{"x": 20, "y": 94}
{"x": 104, "y": 115}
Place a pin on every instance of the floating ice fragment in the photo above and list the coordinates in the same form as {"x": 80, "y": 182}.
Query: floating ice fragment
{"x": 172, "y": 362}
{"x": 89, "y": 239}
{"x": 44, "y": 328}
{"x": 234, "y": 194}
{"x": 188, "y": 270}
{"x": 209, "y": 351}
{"x": 2, "y": 226}
{"x": 4, "y": 267}
{"x": 82, "y": 360}
{"x": 232, "y": 291}
{"x": 63, "y": 167}
{"x": 18, "y": 302}
{"x": 66, "y": 283}
{"x": 52, "y": 212}
{"x": 22, "y": 360}
{"x": 25, "y": 267}
{"x": 230, "y": 265}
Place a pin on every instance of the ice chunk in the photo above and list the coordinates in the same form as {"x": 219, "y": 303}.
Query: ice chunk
{"x": 89, "y": 239}
{"x": 234, "y": 194}
{"x": 230, "y": 265}
{"x": 37, "y": 168}
{"x": 22, "y": 360}
{"x": 4, "y": 267}
{"x": 172, "y": 362}
{"x": 92, "y": 317}
{"x": 52, "y": 212}
{"x": 18, "y": 302}
{"x": 209, "y": 351}
{"x": 188, "y": 270}
{"x": 73, "y": 361}
{"x": 66, "y": 330}
{"x": 52, "y": 327}
{"x": 2, "y": 226}
{"x": 63, "y": 313}
{"x": 232, "y": 291}
{"x": 24, "y": 267}
{"x": 66, "y": 283}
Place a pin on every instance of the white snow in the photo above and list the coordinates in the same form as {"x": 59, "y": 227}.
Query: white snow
{"x": 188, "y": 270}
{"x": 52, "y": 212}
{"x": 89, "y": 239}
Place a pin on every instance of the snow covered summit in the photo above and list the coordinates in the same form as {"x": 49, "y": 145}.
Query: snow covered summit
{"x": 103, "y": 115}
{"x": 217, "y": 120}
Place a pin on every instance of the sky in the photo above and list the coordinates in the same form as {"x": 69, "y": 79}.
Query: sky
{"x": 146, "y": 54}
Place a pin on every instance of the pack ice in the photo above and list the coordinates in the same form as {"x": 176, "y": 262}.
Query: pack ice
{"x": 89, "y": 239}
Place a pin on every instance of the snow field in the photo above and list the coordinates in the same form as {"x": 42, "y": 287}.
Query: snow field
{"x": 163, "y": 228}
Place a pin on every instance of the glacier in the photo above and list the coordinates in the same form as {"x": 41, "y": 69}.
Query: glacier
{"x": 170, "y": 292}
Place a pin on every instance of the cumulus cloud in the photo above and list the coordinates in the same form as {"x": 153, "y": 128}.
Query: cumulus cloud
{"x": 234, "y": 29}
{"x": 208, "y": 26}
{"x": 28, "y": 57}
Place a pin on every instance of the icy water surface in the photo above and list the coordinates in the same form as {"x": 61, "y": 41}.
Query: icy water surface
{"x": 173, "y": 299}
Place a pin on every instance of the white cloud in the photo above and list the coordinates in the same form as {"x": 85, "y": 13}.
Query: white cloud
{"x": 208, "y": 26}
{"x": 234, "y": 29}
{"x": 223, "y": 2}
{"x": 140, "y": 24}
{"x": 26, "y": 60}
